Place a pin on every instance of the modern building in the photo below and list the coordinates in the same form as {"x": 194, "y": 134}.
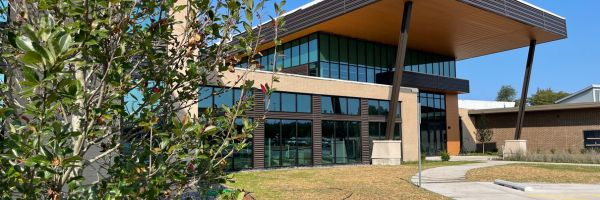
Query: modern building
{"x": 337, "y": 67}
{"x": 588, "y": 94}
{"x": 571, "y": 125}
{"x": 345, "y": 65}
{"x": 479, "y": 104}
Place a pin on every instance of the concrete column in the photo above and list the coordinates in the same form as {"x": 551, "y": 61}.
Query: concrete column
{"x": 452, "y": 124}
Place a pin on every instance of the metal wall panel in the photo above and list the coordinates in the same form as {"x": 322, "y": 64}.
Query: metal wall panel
{"x": 524, "y": 13}
{"x": 313, "y": 15}
{"x": 364, "y": 131}
{"x": 427, "y": 82}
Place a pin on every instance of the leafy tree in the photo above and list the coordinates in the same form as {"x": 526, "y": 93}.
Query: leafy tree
{"x": 506, "y": 93}
{"x": 483, "y": 133}
{"x": 546, "y": 96}
{"x": 71, "y": 69}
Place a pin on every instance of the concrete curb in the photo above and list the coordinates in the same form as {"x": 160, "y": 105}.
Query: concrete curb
{"x": 516, "y": 186}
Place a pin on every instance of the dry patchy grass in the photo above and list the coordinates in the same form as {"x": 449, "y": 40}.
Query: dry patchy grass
{"x": 539, "y": 173}
{"x": 340, "y": 182}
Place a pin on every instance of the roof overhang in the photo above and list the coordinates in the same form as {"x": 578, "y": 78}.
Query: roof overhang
{"x": 459, "y": 28}
{"x": 552, "y": 107}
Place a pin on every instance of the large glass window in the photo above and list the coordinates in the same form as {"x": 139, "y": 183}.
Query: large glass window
{"x": 304, "y": 103}
{"x": 290, "y": 102}
{"x": 295, "y": 53}
{"x": 217, "y": 97}
{"x": 353, "y": 73}
{"x": 334, "y": 48}
{"x": 324, "y": 69}
{"x": 381, "y": 107}
{"x": 344, "y": 72}
{"x": 274, "y": 102}
{"x": 346, "y": 58}
{"x": 304, "y": 50}
{"x": 288, "y": 143}
{"x": 340, "y": 105}
{"x": 313, "y": 47}
{"x": 287, "y": 55}
{"x": 241, "y": 159}
{"x": 591, "y": 139}
{"x": 341, "y": 142}
{"x": 343, "y": 50}
{"x": 377, "y": 131}
{"x": 324, "y": 46}
{"x": 334, "y": 70}
{"x": 433, "y": 122}
{"x": 270, "y": 59}
{"x": 280, "y": 55}
{"x": 362, "y": 74}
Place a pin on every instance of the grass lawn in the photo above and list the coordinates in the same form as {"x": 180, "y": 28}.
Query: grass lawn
{"x": 537, "y": 173}
{"x": 338, "y": 182}
{"x": 481, "y": 154}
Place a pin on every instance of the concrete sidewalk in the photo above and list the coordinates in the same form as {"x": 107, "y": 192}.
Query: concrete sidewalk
{"x": 450, "y": 181}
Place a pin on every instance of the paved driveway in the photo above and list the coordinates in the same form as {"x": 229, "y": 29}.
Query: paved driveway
{"x": 450, "y": 181}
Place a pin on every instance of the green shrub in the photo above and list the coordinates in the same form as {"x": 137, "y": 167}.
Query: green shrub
{"x": 445, "y": 156}
{"x": 588, "y": 157}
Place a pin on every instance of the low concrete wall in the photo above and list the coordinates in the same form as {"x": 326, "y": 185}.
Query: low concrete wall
{"x": 387, "y": 152}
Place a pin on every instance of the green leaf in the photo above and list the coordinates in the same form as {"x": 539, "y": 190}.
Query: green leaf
{"x": 32, "y": 59}
{"x": 29, "y": 31}
{"x": 24, "y": 43}
{"x": 43, "y": 52}
{"x": 38, "y": 159}
{"x": 71, "y": 159}
{"x": 65, "y": 42}
{"x": 30, "y": 75}
{"x": 210, "y": 130}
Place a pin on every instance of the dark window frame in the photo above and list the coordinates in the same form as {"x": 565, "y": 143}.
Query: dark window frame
{"x": 280, "y": 134}
{"x": 280, "y": 110}
{"x": 588, "y": 137}
{"x": 331, "y": 97}
{"x": 379, "y": 103}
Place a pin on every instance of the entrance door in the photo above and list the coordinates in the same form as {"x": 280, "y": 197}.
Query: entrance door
{"x": 433, "y": 138}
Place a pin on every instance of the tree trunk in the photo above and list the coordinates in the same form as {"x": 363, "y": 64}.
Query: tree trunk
{"x": 483, "y": 147}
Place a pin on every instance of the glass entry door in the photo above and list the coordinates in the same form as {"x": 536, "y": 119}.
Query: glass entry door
{"x": 433, "y": 138}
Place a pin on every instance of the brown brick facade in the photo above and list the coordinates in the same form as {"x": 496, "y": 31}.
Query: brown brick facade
{"x": 559, "y": 130}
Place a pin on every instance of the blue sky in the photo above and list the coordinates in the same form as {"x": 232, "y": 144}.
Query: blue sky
{"x": 568, "y": 65}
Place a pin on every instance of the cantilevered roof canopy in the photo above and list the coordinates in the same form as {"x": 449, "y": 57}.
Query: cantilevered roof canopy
{"x": 459, "y": 28}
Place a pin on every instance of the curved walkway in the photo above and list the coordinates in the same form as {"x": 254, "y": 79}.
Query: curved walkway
{"x": 450, "y": 181}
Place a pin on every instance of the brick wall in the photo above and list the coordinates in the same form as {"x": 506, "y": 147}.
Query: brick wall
{"x": 560, "y": 130}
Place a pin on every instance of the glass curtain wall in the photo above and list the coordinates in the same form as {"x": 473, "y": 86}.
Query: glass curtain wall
{"x": 217, "y": 97}
{"x": 341, "y": 142}
{"x": 289, "y": 102}
{"x": 381, "y": 107}
{"x": 340, "y": 105}
{"x": 302, "y": 51}
{"x": 288, "y": 143}
{"x": 241, "y": 159}
{"x": 338, "y": 57}
{"x": 433, "y": 123}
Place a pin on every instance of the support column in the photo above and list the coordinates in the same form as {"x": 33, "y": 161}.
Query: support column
{"x": 399, "y": 69}
{"x": 521, "y": 114}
